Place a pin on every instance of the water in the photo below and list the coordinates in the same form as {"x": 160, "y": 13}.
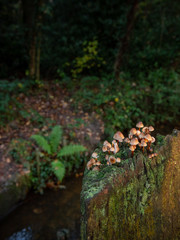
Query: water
{"x": 42, "y": 216}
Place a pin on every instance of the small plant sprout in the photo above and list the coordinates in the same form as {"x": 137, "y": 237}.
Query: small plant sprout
{"x": 137, "y": 140}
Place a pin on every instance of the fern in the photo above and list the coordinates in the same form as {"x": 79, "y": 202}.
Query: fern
{"x": 41, "y": 141}
{"x": 58, "y": 169}
{"x": 70, "y": 150}
{"x": 55, "y": 137}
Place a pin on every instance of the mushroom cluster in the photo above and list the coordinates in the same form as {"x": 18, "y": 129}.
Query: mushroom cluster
{"x": 138, "y": 138}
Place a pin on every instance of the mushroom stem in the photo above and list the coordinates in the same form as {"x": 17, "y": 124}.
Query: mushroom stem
{"x": 132, "y": 153}
{"x": 143, "y": 149}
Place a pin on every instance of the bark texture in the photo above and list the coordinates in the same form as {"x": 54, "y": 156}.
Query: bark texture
{"x": 140, "y": 200}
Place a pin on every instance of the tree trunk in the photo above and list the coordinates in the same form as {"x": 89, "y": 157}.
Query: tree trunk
{"x": 32, "y": 20}
{"x": 125, "y": 41}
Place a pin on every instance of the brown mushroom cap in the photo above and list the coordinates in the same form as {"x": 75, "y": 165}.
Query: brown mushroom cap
{"x": 145, "y": 129}
{"x": 96, "y": 168}
{"x": 97, "y": 163}
{"x": 141, "y": 135}
{"x": 90, "y": 163}
{"x": 132, "y": 148}
{"x": 112, "y": 160}
{"x": 138, "y": 132}
{"x": 94, "y": 155}
{"x": 118, "y": 136}
{"x": 139, "y": 125}
{"x": 127, "y": 140}
{"x": 107, "y": 144}
{"x": 148, "y": 137}
{"x": 116, "y": 148}
{"x": 107, "y": 157}
{"x": 143, "y": 144}
{"x": 155, "y": 154}
{"x": 112, "y": 149}
{"x": 133, "y": 131}
{"x": 153, "y": 139}
{"x": 118, "y": 160}
{"x": 104, "y": 148}
{"x": 134, "y": 141}
{"x": 130, "y": 136}
{"x": 151, "y": 128}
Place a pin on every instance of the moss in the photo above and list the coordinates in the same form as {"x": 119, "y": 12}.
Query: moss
{"x": 135, "y": 201}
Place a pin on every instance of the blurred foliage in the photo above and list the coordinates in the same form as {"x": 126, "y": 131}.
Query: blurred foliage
{"x": 148, "y": 99}
{"x": 80, "y": 40}
{"x": 47, "y": 160}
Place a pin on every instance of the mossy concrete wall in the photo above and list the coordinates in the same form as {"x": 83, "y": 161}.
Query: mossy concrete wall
{"x": 140, "y": 200}
{"x": 14, "y": 191}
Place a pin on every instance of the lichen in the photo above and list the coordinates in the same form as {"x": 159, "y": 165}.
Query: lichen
{"x": 137, "y": 201}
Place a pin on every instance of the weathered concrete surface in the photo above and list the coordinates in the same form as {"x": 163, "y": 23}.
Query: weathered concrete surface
{"x": 15, "y": 190}
{"x": 140, "y": 200}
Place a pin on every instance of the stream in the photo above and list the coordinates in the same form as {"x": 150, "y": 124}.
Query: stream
{"x": 43, "y": 216}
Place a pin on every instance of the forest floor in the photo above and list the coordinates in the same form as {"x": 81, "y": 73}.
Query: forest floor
{"x": 42, "y": 109}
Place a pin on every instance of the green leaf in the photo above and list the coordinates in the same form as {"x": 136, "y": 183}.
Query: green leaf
{"x": 41, "y": 141}
{"x": 70, "y": 150}
{"x": 58, "y": 169}
{"x": 55, "y": 138}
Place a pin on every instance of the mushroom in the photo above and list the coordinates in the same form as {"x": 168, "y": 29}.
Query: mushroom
{"x": 139, "y": 125}
{"x": 141, "y": 136}
{"x": 97, "y": 163}
{"x": 149, "y": 139}
{"x": 133, "y": 131}
{"x": 107, "y": 157}
{"x": 118, "y": 160}
{"x": 138, "y": 133}
{"x": 134, "y": 141}
{"x": 132, "y": 148}
{"x": 150, "y": 128}
{"x": 143, "y": 144}
{"x": 94, "y": 155}
{"x": 118, "y": 136}
{"x": 126, "y": 140}
{"x": 112, "y": 160}
{"x": 145, "y": 130}
{"x": 96, "y": 168}
{"x": 115, "y": 146}
{"x": 104, "y": 148}
{"x": 90, "y": 163}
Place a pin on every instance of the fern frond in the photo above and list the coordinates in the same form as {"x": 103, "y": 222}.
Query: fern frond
{"x": 70, "y": 150}
{"x": 58, "y": 169}
{"x": 41, "y": 141}
{"x": 55, "y": 137}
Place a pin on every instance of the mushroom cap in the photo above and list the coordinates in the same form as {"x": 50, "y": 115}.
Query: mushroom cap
{"x": 139, "y": 125}
{"x": 133, "y": 131}
{"x": 141, "y": 135}
{"x": 134, "y": 141}
{"x": 148, "y": 137}
{"x": 90, "y": 163}
{"x": 94, "y": 155}
{"x": 104, "y": 148}
{"x": 116, "y": 148}
{"x": 112, "y": 160}
{"x": 127, "y": 140}
{"x": 153, "y": 139}
{"x": 118, "y": 136}
{"x": 132, "y": 148}
{"x": 112, "y": 149}
{"x": 145, "y": 129}
{"x": 107, "y": 144}
{"x": 114, "y": 142}
{"x": 155, "y": 154}
{"x": 150, "y": 155}
{"x": 130, "y": 136}
{"x": 96, "y": 168}
{"x": 107, "y": 157}
{"x": 138, "y": 132}
{"x": 98, "y": 163}
{"x": 118, "y": 160}
{"x": 151, "y": 128}
{"x": 143, "y": 144}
